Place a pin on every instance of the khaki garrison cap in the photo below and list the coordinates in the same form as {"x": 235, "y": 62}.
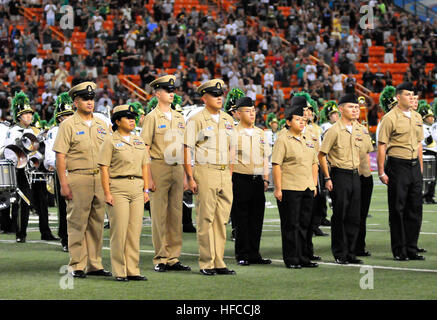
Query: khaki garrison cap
{"x": 211, "y": 86}
{"x": 165, "y": 82}
{"x": 84, "y": 89}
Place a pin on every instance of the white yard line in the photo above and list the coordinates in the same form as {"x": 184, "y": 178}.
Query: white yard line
{"x": 273, "y": 260}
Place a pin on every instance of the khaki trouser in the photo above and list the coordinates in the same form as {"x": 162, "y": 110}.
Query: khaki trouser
{"x": 213, "y": 207}
{"x": 166, "y": 211}
{"x": 85, "y": 217}
{"x": 126, "y": 221}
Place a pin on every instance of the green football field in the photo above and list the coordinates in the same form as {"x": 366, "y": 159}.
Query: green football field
{"x": 36, "y": 269}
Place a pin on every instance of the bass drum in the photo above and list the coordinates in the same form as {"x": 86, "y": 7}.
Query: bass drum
{"x": 429, "y": 171}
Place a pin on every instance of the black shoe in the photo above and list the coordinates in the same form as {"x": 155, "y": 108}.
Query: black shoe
{"x": 416, "y": 257}
{"x": 224, "y": 271}
{"x": 325, "y": 222}
{"x": 355, "y": 261}
{"x": 78, "y": 274}
{"x": 341, "y": 261}
{"x": 188, "y": 228}
{"x": 137, "y": 278}
{"x": 260, "y": 261}
{"x": 293, "y": 266}
{"x": 107, "y": 226}
{"x": 208, "y": 272}
{"x": 363, "y": 254}
{"x": 421, "y": 250}
{"x": 310, "y": 265}
{"x": 319, "y": 233}
{"x": 177, "y": 267}
{"x": 49, "y": 237}
{"x": 160, "y": 267}
{"x": 65, "y": 248}
{"x": 243, "y": 263}
{"x": 123, "y": 279}
{"x": 401, "y": 257}
{"x": 315, "y": 258}
{"x": 21, "y": 240}
{"x": 429, "y": 201}
{"x": 100, "y": 272}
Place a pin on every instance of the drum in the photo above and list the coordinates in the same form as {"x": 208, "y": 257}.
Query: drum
{"x": 8, "y": 178}
{"x": 429, "y": 171}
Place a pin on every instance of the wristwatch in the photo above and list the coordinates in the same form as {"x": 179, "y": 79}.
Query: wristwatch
{"x": 146, "y": 190}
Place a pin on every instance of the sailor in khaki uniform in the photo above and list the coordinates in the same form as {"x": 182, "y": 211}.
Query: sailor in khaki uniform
{"x": 341, "y": 147}
{"x": 209, "y": 134}
{"x": 366, "y": 180}
{"x": 295, "y": 169}
{"x": 77, "y": 146}
{"x": 123, "y": 164}
{"x": 399, "y": 138}
{"x": 250, "y": 179}
{"x": 163, "y": 134}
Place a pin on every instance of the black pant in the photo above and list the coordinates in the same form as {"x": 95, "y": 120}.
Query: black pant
{"x": 404, "y": 195}
{"x": 62, "y": 213}
{"x": 295, "y": 214}
{"x": 430, "y": 190}
{"x": 319, "y": 212}
{"x": 186, "y": 211}
{"x": 345, "y": 220}
{"x": 40, "y": 203}
{"x": 248, "y": 215}
{"x": 20, "y": 209}
{"x": 5, "y": 220}
{"x": 366, "y": 197}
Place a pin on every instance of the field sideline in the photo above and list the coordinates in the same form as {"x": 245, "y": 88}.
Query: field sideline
{"x": 34, "y": 270}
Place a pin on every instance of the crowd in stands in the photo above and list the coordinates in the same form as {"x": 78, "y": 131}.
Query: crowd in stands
{"x": 254, "y": 45}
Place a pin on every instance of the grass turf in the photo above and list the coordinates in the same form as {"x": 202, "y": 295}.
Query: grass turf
{"x": 32, "y": 270}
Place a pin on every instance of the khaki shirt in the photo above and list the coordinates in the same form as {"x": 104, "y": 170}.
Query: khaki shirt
{"x": 164, "y": 137}
{"x": 122, "y": 157}
{"x": 79, "y": 142}
{"x": 343, "y": 148}
{"x": 211, "y": 141}
{"x": 401, "y": 134}
{"x": 366, "y": 148}
{"x": 313, "y": 132}
{"x": 251, "y": 150}
{"x": 296, "y": 158}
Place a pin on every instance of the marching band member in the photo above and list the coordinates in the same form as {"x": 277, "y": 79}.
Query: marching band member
{"x": 22, "y": 113}
{"x": 428, "y": 143}
{"x": 63, "y": 110}
{"x": 77, "y": 145}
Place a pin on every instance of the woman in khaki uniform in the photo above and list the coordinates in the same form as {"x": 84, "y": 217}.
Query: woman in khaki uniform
{"x": 123, "y": 166}
{"x": 295, "y": 171}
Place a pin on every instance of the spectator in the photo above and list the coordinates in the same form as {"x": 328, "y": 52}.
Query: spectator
{"x": 50, "y": 9}
{"x": 388, "y": 55}
{"x": 337, "y": 83}
{"x": 368, "y": 78}
{"x": 269, "y": 78}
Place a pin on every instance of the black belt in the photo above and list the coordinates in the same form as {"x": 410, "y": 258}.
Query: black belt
{"x": 348, "y": 171}
{"x": 127, "y": 177}
{"x": 248, "y": 176}
{"x": 410, "y": 162}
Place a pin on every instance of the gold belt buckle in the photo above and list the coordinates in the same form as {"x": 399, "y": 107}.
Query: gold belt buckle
{"x": 131, "y": 177}
{"x": 95, "y": 171}
{"x": 222, "y": 167}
